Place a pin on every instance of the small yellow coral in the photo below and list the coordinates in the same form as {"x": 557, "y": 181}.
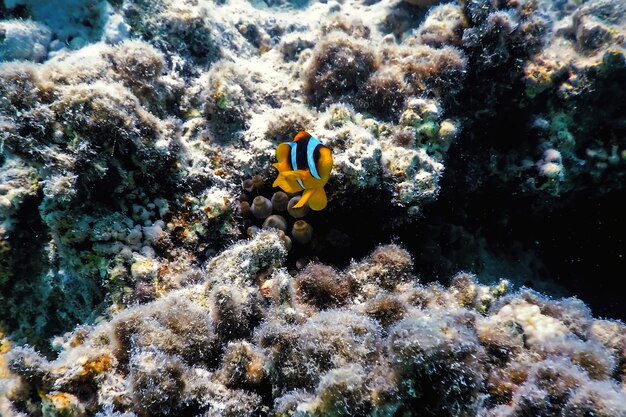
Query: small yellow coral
{"x": 98, "y": 365}
{"x": 4, "y": 348}
{"x": 61, "y": 404}
{"x": 144, "y": 269}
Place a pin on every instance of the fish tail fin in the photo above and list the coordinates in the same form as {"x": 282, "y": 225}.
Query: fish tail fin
{"x": 318, "y": 199}
{"x": 294, "y": 176}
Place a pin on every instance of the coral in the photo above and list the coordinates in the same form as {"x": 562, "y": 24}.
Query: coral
{"x": 572, "y": 312}
{"x": 555, "y": 388}
{"x": 109, "y": 412}
{"x": 339, "y": 66}
{"x": 594, "y": 24}
{"x": 537, "y": 327}
{"x": 60, "y": 404}
{"x": 235, "y": 311}
{"x": 176, "y": 28}
{"x": 421, "y": 119}
{"x": 157, "y": 383}
{"x": 139, "y": 66}
{"x": 498, "y": 34}
{"x": 82, "y": 113}
{"x": 88, "y": 140}
{"x": 384, "y": 92}
{"x": 320, "y": 286}
{"x": 387, "y": 266}
{"x": 600, "y": 398}
{"x": 569, "y": 55}
{"x": 612, "y": 335}
{"x": 352, "y": 27}
{"x": 192, "y": 337}
{"x": 72, "y": 22}
{"x": 576, "y": 65}
{"x": 242, "y": 262}
{"x": 218, "y": 400}
{"x": 287, "y": 122}
{"x": 385, "y": 309}
{"x": 502, "y": 339}
{"x": 359, "y": 163}
{"x": 593, "y": 358}
{"x": 227, "y": 97}
{"x": 243, "y": 366}
{"x": 418, "y": 349}
{"x": 470, "y": 294}
{"x": 342, "y": 392}
{"x": 299, "y": 360}
{"x": 443, "y": 25}
{"x": 18, "y": 183}
{"x": 428, "y": 70}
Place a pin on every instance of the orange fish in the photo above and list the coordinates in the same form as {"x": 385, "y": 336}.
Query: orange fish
{"x": 304, "y": 164}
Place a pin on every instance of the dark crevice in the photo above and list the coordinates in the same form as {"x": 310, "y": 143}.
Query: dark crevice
{"x": 37, "y": 303}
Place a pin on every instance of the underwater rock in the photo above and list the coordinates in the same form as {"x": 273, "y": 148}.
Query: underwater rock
{"x": 23, "y": 41}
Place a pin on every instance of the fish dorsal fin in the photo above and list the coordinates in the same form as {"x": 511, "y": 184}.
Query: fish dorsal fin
{"x": 301, "y": 135}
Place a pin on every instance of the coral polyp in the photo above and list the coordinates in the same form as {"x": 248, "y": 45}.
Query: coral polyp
{"x": 297, "y": 212}
{"x": 261, "y": 207}
{"x": 276, "y": 221}
{"x": 280, "y": 201}
{"x": 302, "y": 232}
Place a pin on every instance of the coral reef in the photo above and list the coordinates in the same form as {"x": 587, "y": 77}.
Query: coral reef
{"x": 147, "y": 266}
{"x": 99, "y": 168}
{"x": 249, "y": 339}
{"x": 134, "y": 146}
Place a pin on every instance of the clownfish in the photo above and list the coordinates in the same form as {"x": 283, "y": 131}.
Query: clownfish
{"x": 304, "y": 164}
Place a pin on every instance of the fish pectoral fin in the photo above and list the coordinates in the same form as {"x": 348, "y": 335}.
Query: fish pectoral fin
{"x": 287, "y": 185}
{"x": 318, "y": 199}
{"x": 300, "y": 174}
{"x": 281, "y": 166}
{"x": 282, "y": 152}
